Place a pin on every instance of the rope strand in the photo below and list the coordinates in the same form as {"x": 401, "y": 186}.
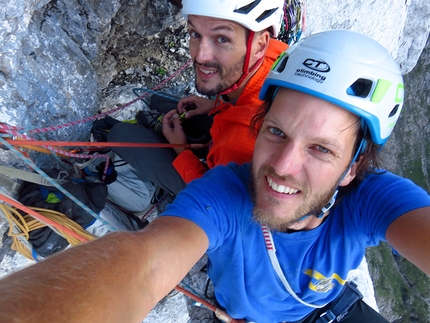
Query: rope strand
{"x": 16, "y": 131}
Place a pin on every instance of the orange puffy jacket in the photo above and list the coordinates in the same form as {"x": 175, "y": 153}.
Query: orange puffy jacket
{"x": 232, "y": 139}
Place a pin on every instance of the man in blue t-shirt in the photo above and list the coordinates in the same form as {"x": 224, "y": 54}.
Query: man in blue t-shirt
{"x": 308, "y": 195}
{"x": 282, "y": 232}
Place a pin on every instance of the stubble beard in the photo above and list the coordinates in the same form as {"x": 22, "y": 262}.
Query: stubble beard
{"x": 312, "y": 207}
{"x": 228, "y": 78}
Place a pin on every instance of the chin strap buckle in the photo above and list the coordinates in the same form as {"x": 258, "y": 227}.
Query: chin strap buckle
{"x": 329, "y": 205}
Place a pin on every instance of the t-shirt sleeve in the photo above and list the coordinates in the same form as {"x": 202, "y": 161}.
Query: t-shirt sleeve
{"x": 381, "y": 199}
{"x": 211, "y": 203}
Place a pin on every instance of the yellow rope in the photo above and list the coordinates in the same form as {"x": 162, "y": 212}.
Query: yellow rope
{"x": 21, "y": 225}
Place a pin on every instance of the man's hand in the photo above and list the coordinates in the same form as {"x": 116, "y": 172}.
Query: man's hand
{"x": 194, "y": 105}
{"x": 173, "y": 131}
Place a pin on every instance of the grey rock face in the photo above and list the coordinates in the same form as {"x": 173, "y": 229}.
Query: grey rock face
{"x": 60, "y": 59}
{"x": 56, "y": 56}
{"x": 46, "y": 75}
{"x": 402, "y": 27}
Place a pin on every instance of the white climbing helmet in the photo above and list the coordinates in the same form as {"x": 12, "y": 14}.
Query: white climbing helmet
{"x": 348, "y": 69}
{"x": 256, "y": 15}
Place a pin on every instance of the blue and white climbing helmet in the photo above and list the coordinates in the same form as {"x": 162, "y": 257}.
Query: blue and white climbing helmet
{"x": 348, "y": 69}
{"x": 256, "y": 15}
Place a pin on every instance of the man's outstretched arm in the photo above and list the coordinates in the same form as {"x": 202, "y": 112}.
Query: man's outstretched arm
{"x": 410, "y": 236}
{"x": 116, "y": 278}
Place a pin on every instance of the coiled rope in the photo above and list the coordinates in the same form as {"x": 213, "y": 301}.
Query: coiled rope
{"x": 20, "y": 225}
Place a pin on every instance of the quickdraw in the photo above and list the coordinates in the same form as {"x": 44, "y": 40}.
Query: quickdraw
{"x": 294, "y": 22}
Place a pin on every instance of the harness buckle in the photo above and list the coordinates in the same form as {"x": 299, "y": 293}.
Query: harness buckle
{"x": 327, "y": 317}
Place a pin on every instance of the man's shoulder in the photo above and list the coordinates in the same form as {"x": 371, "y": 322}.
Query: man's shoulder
{"x": 383, "y": 183}
{"x": 382, "y": 177}
{"x": 232, "y": 171}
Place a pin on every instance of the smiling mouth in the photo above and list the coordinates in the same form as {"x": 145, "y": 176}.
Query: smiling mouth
{"x": 281, "y": 188}
{"x": 207, "y": 72}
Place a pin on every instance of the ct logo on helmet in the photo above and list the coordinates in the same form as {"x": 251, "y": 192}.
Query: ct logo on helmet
{"x": 317, "y": 65}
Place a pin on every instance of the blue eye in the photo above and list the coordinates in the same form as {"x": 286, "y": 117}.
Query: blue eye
{"x": 323, "y": 149}
{"x": 276, "y": 131}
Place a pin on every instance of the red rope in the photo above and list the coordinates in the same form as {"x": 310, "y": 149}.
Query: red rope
{"x": 14, "y": 130}
{"x": 30, "y": 142}
{"x": 218, "y": 312}
{"x": 4, "y": 128}
{"x": 147, "y": 213}
{"x": 50, "y": 146}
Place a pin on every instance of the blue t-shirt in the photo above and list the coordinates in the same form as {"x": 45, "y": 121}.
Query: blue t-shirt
{"x": 315, "y": 262}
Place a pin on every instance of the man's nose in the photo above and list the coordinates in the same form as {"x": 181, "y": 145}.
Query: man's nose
{"x": 288, "y": 160}
{"x": 205, "y": 51}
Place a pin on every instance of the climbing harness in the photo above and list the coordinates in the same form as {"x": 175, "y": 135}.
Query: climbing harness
{"x": 341, "y": 305}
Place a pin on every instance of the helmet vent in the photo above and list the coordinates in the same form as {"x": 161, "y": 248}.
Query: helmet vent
{"x": 281, "y": 66}
{"x": 360, "y": 88}
{"x": 394, "y": 111}
{"x": 266, "y": 14}
{"x": 247, "y": 9}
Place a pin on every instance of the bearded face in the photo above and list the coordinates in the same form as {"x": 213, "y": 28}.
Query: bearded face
{"x": 302, "y": 154}
{"x": 218, "y": 49}
{"x": 213, "y": 78}
{"x": 263, "y": 215}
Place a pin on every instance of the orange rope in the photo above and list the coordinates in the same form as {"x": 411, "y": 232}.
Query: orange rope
{"x": 42, "y": 218}
{"x": 99, "y": 144}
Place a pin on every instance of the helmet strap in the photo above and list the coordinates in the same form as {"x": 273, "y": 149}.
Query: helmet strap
{"x": 329, "y": 205}
{"x": 246, "y": 72}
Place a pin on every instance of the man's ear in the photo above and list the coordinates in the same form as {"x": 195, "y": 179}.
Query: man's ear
{"x": 352, "y": 172}
{"x": 260, "y": 44}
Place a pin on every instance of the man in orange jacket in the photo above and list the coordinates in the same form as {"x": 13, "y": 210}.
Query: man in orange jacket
{"x": 233, "y": 49}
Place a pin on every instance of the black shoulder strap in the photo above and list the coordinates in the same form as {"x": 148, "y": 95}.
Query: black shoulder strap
{"x": 340, "y": 306}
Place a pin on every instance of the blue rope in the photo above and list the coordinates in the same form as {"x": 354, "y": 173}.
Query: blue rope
{"x": 54, "y": 183}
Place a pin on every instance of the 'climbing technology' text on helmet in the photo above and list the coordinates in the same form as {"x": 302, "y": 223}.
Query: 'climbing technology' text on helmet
{"x": 348, "y": 69}
{"x": 256, "y": 15}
